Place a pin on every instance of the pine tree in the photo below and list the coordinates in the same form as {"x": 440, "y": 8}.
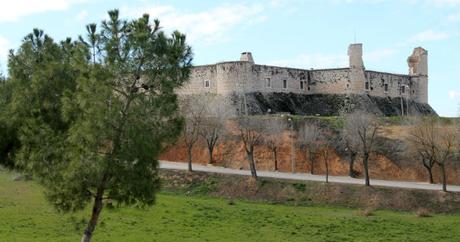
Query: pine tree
{"x": 98, "y": 112}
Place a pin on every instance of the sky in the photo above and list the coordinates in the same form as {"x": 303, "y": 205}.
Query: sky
{"x": 295, "y": 33}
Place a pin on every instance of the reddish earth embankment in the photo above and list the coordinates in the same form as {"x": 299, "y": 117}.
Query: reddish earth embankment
{"x": 230, "y": 153}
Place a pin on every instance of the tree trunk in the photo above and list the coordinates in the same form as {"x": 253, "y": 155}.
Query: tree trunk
{"x": 366, "y": 168}
{"x": 252, "y": 164}
{"x": 311, "y": 162}
{"x": 444, "y": 177}
{"x": 189, "y": 154}
{"x": 351, "y": 171}
{"x": 210, "y": 151}
{"x": 430, "y": 174}
{"x": 97, "y": 208}
{"x": 327, "y": 169}
{"x": 275, "y": 155}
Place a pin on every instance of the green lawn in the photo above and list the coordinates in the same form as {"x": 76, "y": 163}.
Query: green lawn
{"x": 26, "y": 216}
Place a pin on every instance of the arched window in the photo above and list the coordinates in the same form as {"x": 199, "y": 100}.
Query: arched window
{"x": 284, "y": 84}
{"x": 207, "y": 83}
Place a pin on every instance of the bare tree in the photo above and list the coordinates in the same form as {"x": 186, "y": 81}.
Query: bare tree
{"x": 417, "y": 138}
{"x": 434, "y": 142}
{"x": 251, "y": 132}
{"x": 193, "y": 110}
{"x": 325, "y": 144}
{"x": 309, "y": 141}
{"x": 273, "y": 131}
{"x": 350, "y": 143}
{"x": 365, "y": 128}
{"x": 216, "y": 114}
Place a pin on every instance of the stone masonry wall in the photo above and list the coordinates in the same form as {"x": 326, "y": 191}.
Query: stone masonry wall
{"x": 245, "y": 77}
{"x": 395, "y": 84}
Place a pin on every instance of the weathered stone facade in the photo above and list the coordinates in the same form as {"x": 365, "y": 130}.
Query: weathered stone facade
{"x": 238, "y": 78}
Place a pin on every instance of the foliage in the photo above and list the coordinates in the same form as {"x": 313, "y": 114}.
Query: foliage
{"x": 8, "y": 130}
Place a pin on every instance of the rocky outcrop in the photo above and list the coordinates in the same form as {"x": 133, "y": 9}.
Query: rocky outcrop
{"x": 331, "y": 104}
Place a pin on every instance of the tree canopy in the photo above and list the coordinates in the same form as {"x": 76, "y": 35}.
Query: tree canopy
{"x": 92, "y": 115}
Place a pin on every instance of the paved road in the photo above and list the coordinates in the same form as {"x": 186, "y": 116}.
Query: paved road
{"x": 307, "y": 177}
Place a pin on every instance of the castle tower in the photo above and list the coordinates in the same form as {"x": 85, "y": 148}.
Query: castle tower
{"x": 418, "y": 70}
{"x": 357, "y": 77}
{"x": 355, "y": 54}
{"x": 247, "y": 56}
{"x": 418, "y": 62}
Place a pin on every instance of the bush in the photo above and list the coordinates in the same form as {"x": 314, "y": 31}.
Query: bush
{"x": 367, "y": 212}
{"x": 423, "y": 213}
{"x": 299, "y": 187}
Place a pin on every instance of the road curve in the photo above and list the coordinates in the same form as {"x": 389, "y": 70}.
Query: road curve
{"x": 308, "y": 177}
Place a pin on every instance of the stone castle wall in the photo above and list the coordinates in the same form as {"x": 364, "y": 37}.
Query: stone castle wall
{"x": 244, "y": 76}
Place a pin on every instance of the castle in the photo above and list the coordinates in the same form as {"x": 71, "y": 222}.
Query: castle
{"x": 300, "y": 89}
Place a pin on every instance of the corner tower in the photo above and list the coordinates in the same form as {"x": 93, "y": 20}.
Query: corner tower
{"x": 418, "y": 70}
{"x": 357, "y": 78}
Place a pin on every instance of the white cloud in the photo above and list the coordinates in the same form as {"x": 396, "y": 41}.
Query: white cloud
{"x": 13, "y": 10}
{"x": 442, "y": 3}
{"x": 454, "y": 17}
{"x": 428, "y": 35}
{"x": 81, "y": 16}
{"x": 454, "y": 94}
{"x": 317, "y": 60}
{"x": 207, "y": 26}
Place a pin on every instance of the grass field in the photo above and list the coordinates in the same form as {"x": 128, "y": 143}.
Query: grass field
{"x": 26, "y": 216}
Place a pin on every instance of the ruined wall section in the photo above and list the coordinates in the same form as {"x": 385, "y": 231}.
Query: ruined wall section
{"x": 381, "y": 84}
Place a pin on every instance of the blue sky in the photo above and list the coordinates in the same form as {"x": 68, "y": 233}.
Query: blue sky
{"x": 305, "y": 34}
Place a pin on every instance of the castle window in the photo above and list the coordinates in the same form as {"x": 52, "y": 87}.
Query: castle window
{"x": 301, "y": 85}
{"x": 268, "y": 82}
{"x": 385, "y": 87}
{"x": 403, "y": 89}
{"x": 367, "y": 85}
{"x": 308, "y": 88}
{"x": 207, "y": 83}
{"x": 284, "y": 84}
